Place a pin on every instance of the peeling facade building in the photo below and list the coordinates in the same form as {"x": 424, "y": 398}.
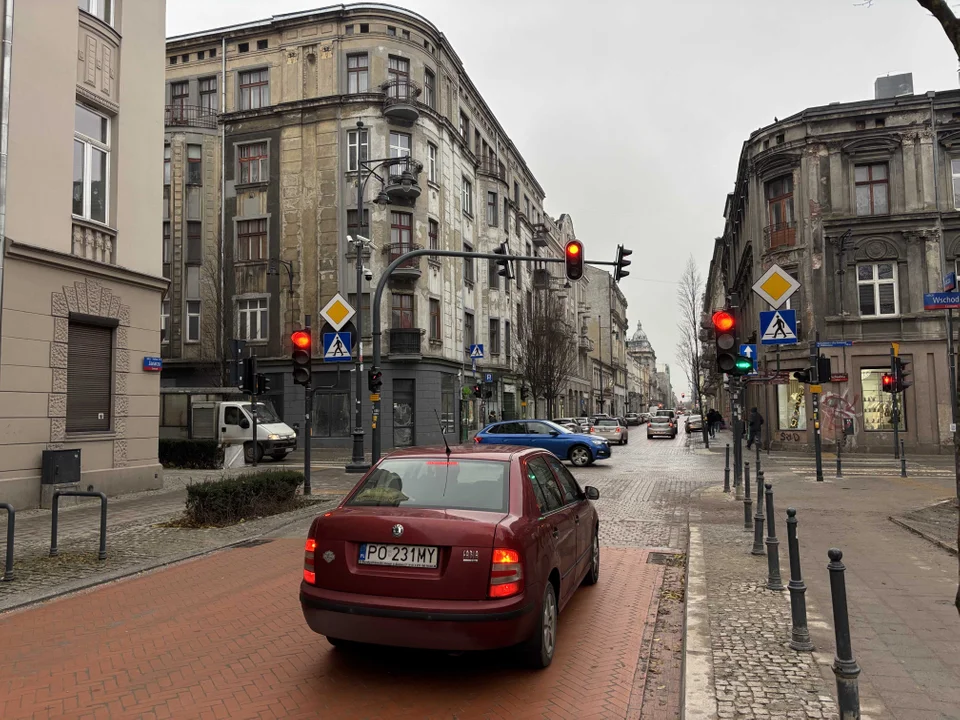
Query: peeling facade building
{"x": 606, "y": 323}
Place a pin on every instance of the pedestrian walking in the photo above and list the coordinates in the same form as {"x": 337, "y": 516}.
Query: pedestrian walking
{"x": 713, "y": 421}
{"x": 755, "y": 423}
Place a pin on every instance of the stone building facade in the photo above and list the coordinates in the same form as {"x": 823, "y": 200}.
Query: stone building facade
{"x": 844, "y": 197}
{"x": 298, "y": 99}
{"x": 606, "y": 322}
{"x": 80, "y": 262}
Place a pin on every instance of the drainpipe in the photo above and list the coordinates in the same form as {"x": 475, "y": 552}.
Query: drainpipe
{"x": 5, "y": 134}
{"x": 222, "y": 330}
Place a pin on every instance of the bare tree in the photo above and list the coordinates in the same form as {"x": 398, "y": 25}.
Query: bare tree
{"x": 689, "y": 350}
{"x": 547, "y": 351}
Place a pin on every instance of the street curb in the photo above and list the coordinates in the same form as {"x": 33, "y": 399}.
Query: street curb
{"x": 128, "y": 573}
{"x": 697, "y": 684}
{"x": 929, "y": 538}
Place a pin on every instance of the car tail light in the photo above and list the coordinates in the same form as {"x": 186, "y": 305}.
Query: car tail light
{"x": 617, "y": 430}
{"x": 309, "y": 569}
{"x": 670, "y": 424}
{"x": 476, "y": 439}
{"x": 506, "y": 573}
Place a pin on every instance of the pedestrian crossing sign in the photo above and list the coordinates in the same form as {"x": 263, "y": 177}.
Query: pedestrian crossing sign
{"x": 779, "y": 327}
{"x": 336, "y": 347}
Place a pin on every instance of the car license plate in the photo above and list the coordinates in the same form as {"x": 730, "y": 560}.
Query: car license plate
{"x": 418, "y": 556}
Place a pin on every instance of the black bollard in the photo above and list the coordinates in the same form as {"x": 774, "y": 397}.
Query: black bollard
{"x": 903, "y": 461}
{"x": 747, "y": 501}
{"x": 757, "y": 469}
{"x": 799, "y": 634}
{"x": 726, "y": 472}
{"x": 844, "y": 665}
{"x": 773, "y": 546}
{"x": 758, "y": 519}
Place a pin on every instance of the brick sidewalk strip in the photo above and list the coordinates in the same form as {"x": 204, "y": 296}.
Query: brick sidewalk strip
{"x": 223, "y": 637}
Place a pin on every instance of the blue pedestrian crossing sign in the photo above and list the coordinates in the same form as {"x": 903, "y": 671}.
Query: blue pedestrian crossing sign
{"x": 750, "y": 352}
{"x": 476, "y": 351}
{"x": 778, "y": 327}
{"x": 336, "y": 347}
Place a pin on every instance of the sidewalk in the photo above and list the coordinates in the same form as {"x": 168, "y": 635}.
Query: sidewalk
{"x": 905, "y": 630}
{"x": 135, "y": 539}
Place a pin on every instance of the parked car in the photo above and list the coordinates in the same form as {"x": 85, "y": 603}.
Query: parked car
{"x": 611, "y": 429}
{"x": 458, "y": 549}
{"x": 694, "y": 422}
{"x": 661, "y": 426}
{"x": 579, "y": 448}
{"x": 633, "y": 418}
{"x": 666, "y": 413}
{"x": 570, "y": 424}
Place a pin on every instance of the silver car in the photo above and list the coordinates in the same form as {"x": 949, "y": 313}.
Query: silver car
{"x": 661, "y": 426}
{"x": 610, "y": 429}
{"x": 570, "y": 424}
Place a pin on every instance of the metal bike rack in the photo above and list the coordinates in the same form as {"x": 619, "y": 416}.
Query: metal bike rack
{"x": 103, "y": 518}
{"x": 11, "y": 519}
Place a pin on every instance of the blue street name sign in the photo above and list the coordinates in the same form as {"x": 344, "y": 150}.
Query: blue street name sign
{"x": 152, "y": 364}
{"x": 941, "y": 301}
{"x": 950, "y": 281}
{"x": 835, "y": 343}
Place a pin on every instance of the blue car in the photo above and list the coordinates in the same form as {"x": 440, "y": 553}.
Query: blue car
{"x": 577, "y": 448}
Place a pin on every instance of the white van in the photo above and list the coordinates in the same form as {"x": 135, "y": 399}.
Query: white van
{"x": 230, "y": 422}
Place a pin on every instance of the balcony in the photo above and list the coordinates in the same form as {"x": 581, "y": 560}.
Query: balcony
{"x": 408, "y": 269}
{"x": 541, "y": 279}
{"x": 586, "y": 343}
{"x": 491, "y": 167}
{"x": 93, "y": 241}
{"x": 405, "y": 344}
{"x": 541, "y": 235}
{"x": 189, "y": 116}
{"x": 779, "y": 235}
{"x": 400, "y": 100}
{"x": 402, "y": 182}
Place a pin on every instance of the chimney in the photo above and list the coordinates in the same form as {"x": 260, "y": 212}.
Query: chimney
{"x": 892, "y": 86}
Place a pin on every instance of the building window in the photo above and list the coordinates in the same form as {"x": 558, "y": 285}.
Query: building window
{"x": 164, "y": 321}
{"x": 365, "y": 309}
{"x": 194, "y": 243}
{"x": 364, "y": 27}
{"x": 526, "y": 208}
{"x": 877, "y": 289}
{"x": 252, "y": 240}
{"x": 91, "y": 164}
{"x": 193, "y": 320}
{"x": 493, "y": 275}
{"x": 782, "y": 228}
{"x": 468, "y": 265}
{"x": 194, "y": 165}
{"x": 166, "y": 165}
{"x": 253, "y": 161}
{"x": 254, "y": 89}
{"x": 429, "y": 89}
{"x": 516, "y": 193}
{"x": 352, "y": 229}
{"x": 102, "y": 9}
{"x": 167, "y": 249}
{"x": 872, "y": 189}
{"x": 348, "y": 30}
{"x": 358, "y": 77}
{"x": 252, "y": 319}
{"x": 492, "y": 205}
{"x": 878, "y": 405}
{"x": 477, "y": 142}
{"x": 404, "y": 412}
{"x": 466, "y": 197}
{"x": 402, "y": 311}
{"x": 208, "y": 94}
{"x": 792, "y": 406}
{"x": 398, "y": 73}
{"x": 401, "y": 233}
{"x": 432, "y": 175}
{"x": 357, "y": 140}
{"x": 506, "y": 338}
{"x": 506, "y": 216}
{"x": 89, "y": 377}
{"x": 406, "y": 34}
{"x": 391, "y": 31}
{"x": 464, "y": 127}
{"x": 433, "y": 234}
{"x": 179, "y": 98}
{"x": 955, "y": 170}
{"x": 434, "y": 319}
{"x": 469, "y": 335}
{"x": 173, "y": 60}
{"x": 262, "y": 44}
{"x": 494, "y": 336}
{"x": 399, "y": 148}
{"x": 243, "y": 47}
{"x": 212, "y": 52}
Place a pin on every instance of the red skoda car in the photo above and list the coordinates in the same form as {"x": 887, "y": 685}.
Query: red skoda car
{"x": 473, "y": 548}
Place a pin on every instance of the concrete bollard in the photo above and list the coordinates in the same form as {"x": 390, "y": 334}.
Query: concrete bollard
{"x": 726, "y": 472}
{"x": 747, "y": 501}
{"x": 773, "y": 546}
{"x": 845, "y": 667}
{"x": 799, "y": 634}
{"x": 758, "y": 519}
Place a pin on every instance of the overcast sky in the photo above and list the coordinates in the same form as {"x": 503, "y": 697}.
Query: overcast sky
{"x": 631, "y": 113}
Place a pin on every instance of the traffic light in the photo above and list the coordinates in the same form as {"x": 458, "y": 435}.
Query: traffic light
{"x": 506, "y": 269}
{"x": 622, "y": 254}
{"x": 725, "y": 337}
{"x": 804, "y": 376}
{"x": 263, "y": 384}
{"x": 901, "y": 374}
{"x": 888, "y": 383}
{"x": 374, "y": 380}
{"x": 523, "y": 394}
{"x": 477, "y": 391}
{"x": 574, "y": 257}
{"x": 824, "y": 370}
{"x": 249, "y": 385}
{"x": 302, "y": 342}
{"x": 743, "y": 365}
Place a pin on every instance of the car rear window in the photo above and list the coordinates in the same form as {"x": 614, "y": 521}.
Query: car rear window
{"x": 607, "y": 423}
{"x": 436, "y": 483}
{"x": 659, "y": 420}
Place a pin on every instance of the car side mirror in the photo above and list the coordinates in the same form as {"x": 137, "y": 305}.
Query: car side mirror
{"x": 591, "y": 492}
{"x": 244, "y": 423}
{"x": 554, "y": 433}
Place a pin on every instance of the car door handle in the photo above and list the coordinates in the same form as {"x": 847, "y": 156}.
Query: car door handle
{"x": 556, "y": 533}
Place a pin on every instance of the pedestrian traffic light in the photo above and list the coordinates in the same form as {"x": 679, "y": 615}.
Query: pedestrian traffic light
{"x": 477, "y": 391}
{"x": 374, "y": 380}
{"x": 249, "y": 375}
{"x": 574, "y": 257}
{"x": 263, "y": 384}
{"x": 622, "y": 254}
{"x": 506, "y": 269}
{"x": 888, "y": 383}
{"x": 824, "y": 370}
{"x": 302, "y": 342}
{"x": 901, "y": 374}
{"x": 725, "y": 337}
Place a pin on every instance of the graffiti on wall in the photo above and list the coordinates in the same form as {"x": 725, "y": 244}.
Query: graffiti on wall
{"x": 839, "y": 415}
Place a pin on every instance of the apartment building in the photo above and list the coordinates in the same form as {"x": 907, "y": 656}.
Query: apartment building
{"x": 642, "y": 389}
{"x": 268, "y": 127}
{"x": 845, "y": 198}
{"x": 606, "y": 324}
{"x": 81, "y": 276}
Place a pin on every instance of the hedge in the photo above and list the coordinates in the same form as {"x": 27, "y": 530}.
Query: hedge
{"x": 192, "y": 454}
{"x": 232, "y": 499}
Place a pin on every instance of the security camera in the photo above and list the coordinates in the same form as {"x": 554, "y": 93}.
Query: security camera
{"x": 368, "y": 274}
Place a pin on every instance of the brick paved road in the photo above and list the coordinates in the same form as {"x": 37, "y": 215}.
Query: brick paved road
{"x": 223, "y": 636}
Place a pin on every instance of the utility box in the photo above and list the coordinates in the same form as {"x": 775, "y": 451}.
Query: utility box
{"x": 59, "y": 470}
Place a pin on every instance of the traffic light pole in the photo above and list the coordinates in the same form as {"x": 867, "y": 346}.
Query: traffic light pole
{"x": 896, "y": 403}
{"x": 815, "y": 397}
{"x": 253, "y": 407}
{"x": 307, "y": 421}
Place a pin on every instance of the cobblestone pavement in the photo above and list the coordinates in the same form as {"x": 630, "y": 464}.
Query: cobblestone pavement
{"x": 222, "y": 635}
{"x": 936, "y": 523}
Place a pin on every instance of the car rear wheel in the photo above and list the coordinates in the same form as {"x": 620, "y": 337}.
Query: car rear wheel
{"x": 580, "y": 455}
{"x": 539, "y": 649}
{"x": 248, "y": 450}
{"x": 593, "y": 574}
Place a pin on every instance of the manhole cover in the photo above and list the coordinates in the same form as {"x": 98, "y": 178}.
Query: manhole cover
{"x": 253, "y": 543}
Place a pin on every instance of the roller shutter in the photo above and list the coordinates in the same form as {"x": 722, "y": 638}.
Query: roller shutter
{"x": 89, "y": 377}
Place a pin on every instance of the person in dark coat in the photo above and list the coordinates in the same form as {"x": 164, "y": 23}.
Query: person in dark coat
{"x": 755, "y": 423}
{"x": 713, "y": 421}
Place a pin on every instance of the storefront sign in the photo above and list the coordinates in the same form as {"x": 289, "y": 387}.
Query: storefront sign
{"x": 839, "y": 377}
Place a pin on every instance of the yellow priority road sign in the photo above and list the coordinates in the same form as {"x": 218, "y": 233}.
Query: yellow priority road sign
{"x": 776, "y": 286}
{"x": 337, "y": 312}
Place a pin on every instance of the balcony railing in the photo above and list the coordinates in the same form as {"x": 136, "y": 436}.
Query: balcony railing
{"x": 492, "y": 167}
{"x": 406, "y": 342}
{"x": 780, "y": 235}
{"x": 395, "y": 250}
{"x": 586, "y": 343}
{"x": 400, "y": 99}
{"x": 189, "y": 116}
{"x": 541, "y": 235}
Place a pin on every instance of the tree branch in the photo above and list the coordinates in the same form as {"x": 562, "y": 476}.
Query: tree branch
{"x": 948, "y": 21}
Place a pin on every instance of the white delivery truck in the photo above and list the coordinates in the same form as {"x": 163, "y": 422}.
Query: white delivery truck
{"x": 230, "y": 422}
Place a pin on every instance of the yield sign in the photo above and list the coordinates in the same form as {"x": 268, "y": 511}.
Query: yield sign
{"x": 776, "y": 286}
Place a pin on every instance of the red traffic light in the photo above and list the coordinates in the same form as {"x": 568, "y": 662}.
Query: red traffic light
{"x": 723, "y": 321}
{"x": 573, "y": 254}
{"x": 573, "y": 249}
{"x": 301, "y": 339}
{"x": 888, "y": 382}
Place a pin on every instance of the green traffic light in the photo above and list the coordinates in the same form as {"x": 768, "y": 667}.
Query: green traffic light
{"x": 744, "y": 364}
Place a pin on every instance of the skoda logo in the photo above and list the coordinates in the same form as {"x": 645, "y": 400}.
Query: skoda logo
{"x": 397, "y": 530}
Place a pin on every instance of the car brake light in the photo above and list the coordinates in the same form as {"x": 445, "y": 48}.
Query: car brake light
{"x": 506, "y": 573}
{"x": 309, "y": 569}
{"x": 617, "y": 430}
{"x": 476, "y": 438}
